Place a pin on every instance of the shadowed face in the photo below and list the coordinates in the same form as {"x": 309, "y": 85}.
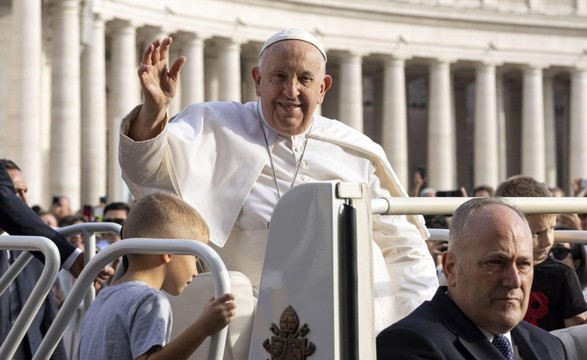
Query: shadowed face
{"x": 490, "y": 278}
{"x": 181, "y": 270}
{"x": 19, "y": 184}
{"x": 542, "y": 227}
{"x": 291, "y": 82}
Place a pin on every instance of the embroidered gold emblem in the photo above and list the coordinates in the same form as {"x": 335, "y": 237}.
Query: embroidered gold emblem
{"x": 289, "y": 341}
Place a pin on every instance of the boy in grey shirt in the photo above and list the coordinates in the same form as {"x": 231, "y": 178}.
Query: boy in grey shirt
{"x": 131, "y": 319}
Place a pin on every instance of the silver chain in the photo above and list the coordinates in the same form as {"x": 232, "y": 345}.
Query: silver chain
{"x": 271, "y": 156}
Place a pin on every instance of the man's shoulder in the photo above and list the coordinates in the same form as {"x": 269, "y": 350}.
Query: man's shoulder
{"x": 215, "y": 110}
{"x": 334, "y": 131}
{"x": 424, "y": 319}
{"x": 333, "y": 127}
{"x": 537, "y": 334}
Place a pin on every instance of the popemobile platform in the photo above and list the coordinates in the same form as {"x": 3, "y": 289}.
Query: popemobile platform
{"x": 315, "y": 297}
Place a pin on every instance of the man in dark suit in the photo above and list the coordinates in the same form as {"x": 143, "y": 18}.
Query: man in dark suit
{"x": 16, "y": 218}
{"x": 489, "y": 271}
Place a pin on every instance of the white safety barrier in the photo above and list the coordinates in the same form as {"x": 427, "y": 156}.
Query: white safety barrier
{"x": 560, "y": 236}
{"x": 40, "y": 291}
{"x": 448, "y": 205}
{"x": 136, "y": 246}
{"x": 88, "y": 231}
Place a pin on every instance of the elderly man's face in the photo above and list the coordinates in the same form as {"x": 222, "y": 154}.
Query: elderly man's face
{"x": 291, "y": 83}
{"x": 490, "y": 280}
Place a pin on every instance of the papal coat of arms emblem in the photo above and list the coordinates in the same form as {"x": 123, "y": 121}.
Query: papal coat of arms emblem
{"x": 289, "y": 341}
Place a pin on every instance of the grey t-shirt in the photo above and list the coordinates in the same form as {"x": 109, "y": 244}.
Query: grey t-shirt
{"x": 124, "y": 322}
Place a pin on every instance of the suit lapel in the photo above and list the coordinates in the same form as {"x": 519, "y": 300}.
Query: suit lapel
{"x": 467, "y": 333}
{"x": 529, "y": 351}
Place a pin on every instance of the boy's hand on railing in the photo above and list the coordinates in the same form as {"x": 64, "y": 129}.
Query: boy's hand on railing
{"x": 217, "y": 313}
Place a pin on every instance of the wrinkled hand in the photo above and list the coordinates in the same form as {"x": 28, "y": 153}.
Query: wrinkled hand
{"x": 218, "y": 313}
{"x": 103, "y": 276}
{"x": 159, "y": 83}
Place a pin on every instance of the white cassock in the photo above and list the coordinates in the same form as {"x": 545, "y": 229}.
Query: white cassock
{"x": 215, "y": 157}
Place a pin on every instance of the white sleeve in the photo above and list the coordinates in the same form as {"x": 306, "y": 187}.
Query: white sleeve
{"x": 409, "y": 264}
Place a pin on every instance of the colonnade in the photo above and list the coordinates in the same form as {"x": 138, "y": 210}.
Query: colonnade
{"x": 91, "y": 94}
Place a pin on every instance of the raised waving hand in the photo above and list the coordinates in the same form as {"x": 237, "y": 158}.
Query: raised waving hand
{"x": 159, "y": 85}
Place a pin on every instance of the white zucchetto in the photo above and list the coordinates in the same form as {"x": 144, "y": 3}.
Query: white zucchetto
{"x": 294, "y": 34}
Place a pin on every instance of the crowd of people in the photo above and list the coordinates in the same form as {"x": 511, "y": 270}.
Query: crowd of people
{"x": 215, "y": 172}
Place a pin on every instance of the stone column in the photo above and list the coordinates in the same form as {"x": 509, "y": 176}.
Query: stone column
{"x": 192, "y": 74}
{"x": 93, "y": 115}
{"x": 533, "y": 150}
{"x": 229, "y": 76}
{"x": 250, "y": 59}
{"x": 351, "y": 90}
{"x": 485, "y": 129}
{"x": 394, "y": 121}
{"x": 211, "y": 77}
{"x": 501, "y": 128}
{"x": 124, "y": 94}
{"x": 441, "y": 128}
{"x": 550, "y": 132}
{"x": 65, "y": 102}
{"x": 578, "y": 125}
{"x": 22, "y": 142}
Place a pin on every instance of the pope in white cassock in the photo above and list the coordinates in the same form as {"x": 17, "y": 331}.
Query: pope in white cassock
{"x": 234, "y": 161}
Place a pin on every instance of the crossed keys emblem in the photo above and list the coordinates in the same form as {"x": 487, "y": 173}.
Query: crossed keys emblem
{"x": 289, "y": 341}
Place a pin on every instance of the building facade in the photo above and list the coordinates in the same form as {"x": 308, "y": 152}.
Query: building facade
{"x": 475, "y": 90}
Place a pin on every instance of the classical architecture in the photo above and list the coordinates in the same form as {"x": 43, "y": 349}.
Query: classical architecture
{"x": 475, "y": 90}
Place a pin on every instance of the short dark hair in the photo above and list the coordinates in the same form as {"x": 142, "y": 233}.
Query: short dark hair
{"x": 70, "y": 220}
{"x": 487, "y": 188}
{"x": 117, "y": 206}
{"x": 522, "y": 186}
{"x": 9, "y": 164}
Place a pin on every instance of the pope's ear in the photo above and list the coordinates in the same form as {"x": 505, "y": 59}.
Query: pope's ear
{"x": 256, "y": 73}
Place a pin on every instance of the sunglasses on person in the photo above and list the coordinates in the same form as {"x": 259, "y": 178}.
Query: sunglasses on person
{"x": 114, "y": 220}
{"x": 560, "y": 253}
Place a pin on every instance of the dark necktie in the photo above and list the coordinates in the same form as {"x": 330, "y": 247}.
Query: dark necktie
{"x": 503, "y": 345}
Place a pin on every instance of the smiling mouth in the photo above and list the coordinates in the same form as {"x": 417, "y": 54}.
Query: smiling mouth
{"x": 289, "y": 107}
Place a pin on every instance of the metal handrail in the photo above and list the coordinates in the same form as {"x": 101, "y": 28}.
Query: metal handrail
{"x": 21, "y": 261}
{"x": 448, "y": 205}
{"x": 560, "y": 236}
{"x": 137, "y": 246}
{"x": 39, "y": 292}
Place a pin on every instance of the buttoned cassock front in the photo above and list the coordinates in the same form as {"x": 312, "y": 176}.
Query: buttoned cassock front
{"x": 214, "y": 156}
